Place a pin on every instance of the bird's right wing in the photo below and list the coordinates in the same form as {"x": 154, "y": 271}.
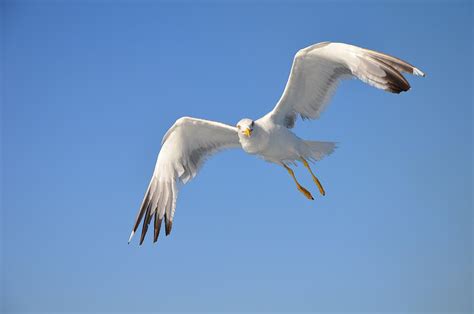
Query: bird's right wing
{"x": 184, "y": 149}
{"x": 317, "y": 70}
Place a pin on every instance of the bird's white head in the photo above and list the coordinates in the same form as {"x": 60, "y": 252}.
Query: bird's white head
{"x": 245, "y": 127}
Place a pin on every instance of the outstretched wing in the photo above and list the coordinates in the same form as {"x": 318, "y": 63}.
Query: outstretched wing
{"x": 184, "y": 149}
{"x": 317, "y": 70}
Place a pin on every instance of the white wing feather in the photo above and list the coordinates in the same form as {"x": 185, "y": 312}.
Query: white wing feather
{"x": 185, "y": 147}
{"x": 317, "y": 70}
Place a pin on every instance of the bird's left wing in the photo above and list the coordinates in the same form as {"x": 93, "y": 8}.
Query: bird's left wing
{"x": 184, "y": 149}
{"x": 317, "y": 70}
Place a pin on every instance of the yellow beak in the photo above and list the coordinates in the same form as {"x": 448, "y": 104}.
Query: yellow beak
{"x": 247, "y": 132}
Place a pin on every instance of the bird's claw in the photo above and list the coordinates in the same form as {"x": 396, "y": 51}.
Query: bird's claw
{"x": 305, "y": 193}
{"x": 320, "y": 187}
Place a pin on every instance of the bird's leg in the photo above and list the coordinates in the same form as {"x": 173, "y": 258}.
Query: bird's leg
{"x": 300, "y": 188}
{"x": 320, "y": 187}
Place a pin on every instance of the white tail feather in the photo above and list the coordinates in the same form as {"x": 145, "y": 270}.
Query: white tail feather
{"x": 319, "y": 150}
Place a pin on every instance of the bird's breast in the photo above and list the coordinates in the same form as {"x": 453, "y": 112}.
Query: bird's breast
{"x": 250, "y": 146}
{"x": 254, "y": 144}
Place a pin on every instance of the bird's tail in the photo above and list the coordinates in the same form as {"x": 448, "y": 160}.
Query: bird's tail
{"x": 318, "y": 150}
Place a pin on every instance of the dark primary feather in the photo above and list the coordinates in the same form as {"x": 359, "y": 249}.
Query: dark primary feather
{"x": 157, "y": 227}
{"x": 142, "y": 210}
{"x": 146, "y": 222}
{"x": 168, "y": 225}
{"x": 398, "y": 64}
{"x": 393, "y": 81}
{"x": 158, "y": 195}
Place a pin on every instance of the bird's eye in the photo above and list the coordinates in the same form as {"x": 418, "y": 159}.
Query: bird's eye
{"x": 238, "y": 127}
{"x": 253, "y": 122}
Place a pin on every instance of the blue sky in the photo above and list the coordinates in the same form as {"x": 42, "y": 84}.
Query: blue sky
{"x": 89, "y": 88}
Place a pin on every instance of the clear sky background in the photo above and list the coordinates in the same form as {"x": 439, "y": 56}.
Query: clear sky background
{"x": 90, "y": 87}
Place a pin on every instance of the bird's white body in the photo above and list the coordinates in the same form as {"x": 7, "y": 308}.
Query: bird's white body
{"x": 314, "y": 76}
{"x": 274, "y": 143}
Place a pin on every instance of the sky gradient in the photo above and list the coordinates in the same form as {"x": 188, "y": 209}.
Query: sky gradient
{"x": 89, "y": 89}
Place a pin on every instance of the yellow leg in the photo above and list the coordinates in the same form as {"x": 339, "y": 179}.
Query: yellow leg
{"x": 320, "y": 187}
{"x": 300, "y": 188}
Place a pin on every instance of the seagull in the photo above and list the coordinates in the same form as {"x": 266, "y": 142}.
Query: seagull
{"x": 314, "y": 76}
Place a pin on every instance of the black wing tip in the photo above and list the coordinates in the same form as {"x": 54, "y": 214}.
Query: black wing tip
{"x": 168, "y": 226}
{"x": 146, "y": 222}
{"x": 396, "y": 89}
{"x": 157, "y": 228}
{"x": 395, "y": 81}
{"x": 142, "y": 237}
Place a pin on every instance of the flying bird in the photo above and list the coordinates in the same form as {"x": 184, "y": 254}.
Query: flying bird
{"x": 314, "y": 76}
